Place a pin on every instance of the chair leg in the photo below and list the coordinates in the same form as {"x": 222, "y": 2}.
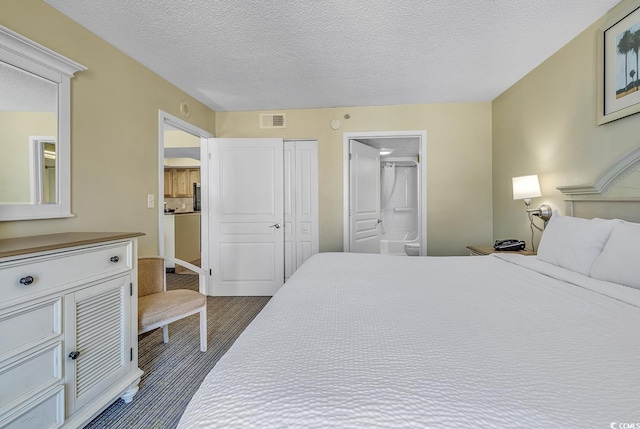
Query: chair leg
{"x": 165, "y": 333}
{"x": 203, "y": 329}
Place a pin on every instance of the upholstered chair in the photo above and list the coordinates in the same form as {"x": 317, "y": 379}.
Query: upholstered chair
{"x": 157, "y": 307}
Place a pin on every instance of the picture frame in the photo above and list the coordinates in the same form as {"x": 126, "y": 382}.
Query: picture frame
{"x": 619, "y": 67}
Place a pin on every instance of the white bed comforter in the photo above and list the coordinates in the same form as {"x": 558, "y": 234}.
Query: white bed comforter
{"x": 371, "y": 341}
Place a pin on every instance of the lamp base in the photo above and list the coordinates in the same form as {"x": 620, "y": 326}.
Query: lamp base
{"x": 543, "y": 212}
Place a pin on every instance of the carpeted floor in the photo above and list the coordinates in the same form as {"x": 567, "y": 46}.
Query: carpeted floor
{"x": 174, "y": 371}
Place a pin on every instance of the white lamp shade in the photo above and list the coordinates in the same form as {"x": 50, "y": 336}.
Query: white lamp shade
{"x": 525, "y": 187}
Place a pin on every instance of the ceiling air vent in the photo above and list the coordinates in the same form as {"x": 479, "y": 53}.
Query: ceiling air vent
{"x": 272, "y": 120}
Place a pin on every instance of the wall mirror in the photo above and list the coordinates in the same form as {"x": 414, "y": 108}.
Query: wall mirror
{"x": 35, "y": 101}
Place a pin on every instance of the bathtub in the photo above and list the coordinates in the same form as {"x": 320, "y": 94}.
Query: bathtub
{"x": 393, "y": 242}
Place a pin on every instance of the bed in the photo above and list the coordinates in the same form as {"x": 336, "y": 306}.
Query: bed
{"x": 372, "y": 341}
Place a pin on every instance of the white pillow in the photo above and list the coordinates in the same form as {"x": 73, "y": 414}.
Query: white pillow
{"x": 574, "y": 243}
{"x": 620, "y": 258}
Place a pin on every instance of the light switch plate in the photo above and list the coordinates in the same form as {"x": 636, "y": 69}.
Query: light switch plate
{"x": 151, "y": 201}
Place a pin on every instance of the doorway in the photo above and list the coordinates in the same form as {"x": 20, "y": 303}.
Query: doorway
{"x": 181, "y": 163}
{"x": 384, "y": 192}
{"x": 244, "y": 199}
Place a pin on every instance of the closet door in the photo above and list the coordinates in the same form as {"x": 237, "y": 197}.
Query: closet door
{"x": 301, "y": 235}
{"x": 290, "y": 254}
{"x": 246, "y": 219}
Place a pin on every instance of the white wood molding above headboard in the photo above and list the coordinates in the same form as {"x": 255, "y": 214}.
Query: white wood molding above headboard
{"x": 625, "y": 166}
{"x": 615, "y": 194}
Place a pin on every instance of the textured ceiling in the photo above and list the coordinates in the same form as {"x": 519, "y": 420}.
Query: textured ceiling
{"x": 24, "y": 92}
{"x": 269, "y": 55}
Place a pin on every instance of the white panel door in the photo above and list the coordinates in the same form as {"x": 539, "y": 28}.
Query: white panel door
{"x": 364, "y": 195}
{"x": 246, "y": 217}
{"x": 306, "y": 202}
{"x": 289, "y": 209}
{"x": 301, "y": 237}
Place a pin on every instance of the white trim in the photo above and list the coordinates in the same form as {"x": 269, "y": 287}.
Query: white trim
{"x": 34, "y": 54}
{"x": 36, "y": 167}
{"x": 175, "y": 122}
{"x": 591, "y": 200}
{"x": 422, "y": 135}
{"x": 32, "y": 57}
{"x": 606, "y": 180}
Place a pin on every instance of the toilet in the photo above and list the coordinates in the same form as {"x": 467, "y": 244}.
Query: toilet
{"x": 412, "y": 249}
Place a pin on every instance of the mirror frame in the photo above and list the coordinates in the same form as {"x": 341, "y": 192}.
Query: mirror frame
{"x": 32, "y": 57}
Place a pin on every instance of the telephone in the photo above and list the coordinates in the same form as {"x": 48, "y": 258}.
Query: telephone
{"x": 509, "y": 245}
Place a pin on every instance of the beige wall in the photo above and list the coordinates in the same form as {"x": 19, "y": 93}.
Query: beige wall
{"x": 114, "y": 144}
{"x": 177, "y": 138}
{"x": 458, "y": 163}
{"x": 15, "y": 172}
{"x": 545, "y": 124}
{"x": 114, "y": 128}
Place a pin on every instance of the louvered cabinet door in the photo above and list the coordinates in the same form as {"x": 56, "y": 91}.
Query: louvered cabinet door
{"x": 97, "y": 340}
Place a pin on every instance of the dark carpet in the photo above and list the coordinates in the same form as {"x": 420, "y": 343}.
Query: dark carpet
{"x": 173, "y": 372}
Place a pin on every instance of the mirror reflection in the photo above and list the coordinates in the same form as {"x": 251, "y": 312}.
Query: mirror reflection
{"x": 28, "y": 111}
{"x": 49, "y": 173}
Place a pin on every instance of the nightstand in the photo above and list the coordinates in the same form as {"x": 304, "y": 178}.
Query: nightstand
{"x": 487, "y": 250}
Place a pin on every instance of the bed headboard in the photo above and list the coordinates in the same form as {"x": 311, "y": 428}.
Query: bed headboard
{"x": 614, "y": 195}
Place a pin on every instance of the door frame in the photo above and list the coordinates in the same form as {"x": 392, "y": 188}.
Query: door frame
{"x": 182, "y": 125}
{"x": 422, "y": 136}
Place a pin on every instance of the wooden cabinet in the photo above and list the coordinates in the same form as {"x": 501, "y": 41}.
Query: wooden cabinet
{"x": 178, "y": 182}
{"x": 168, "y": 183}
{"x": 194, "y": 177}
{"x": 68, "y": 327}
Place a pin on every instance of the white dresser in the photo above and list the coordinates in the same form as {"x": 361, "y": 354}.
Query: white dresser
{"x": 68, "y": 327}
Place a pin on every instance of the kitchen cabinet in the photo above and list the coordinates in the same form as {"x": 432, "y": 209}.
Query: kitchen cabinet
{"x": 194, "y": 177}
{"x": 168, "y": 183}
{"x": 178, "y": 182}
{"x": 68, "y": 327}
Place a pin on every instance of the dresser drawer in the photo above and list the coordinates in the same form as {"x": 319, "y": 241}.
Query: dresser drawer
{"x": 37, "y": 275}
{"x": 29, "y": 326}
{"x": 45, "y": 412}
{"x": 32, "y": 372}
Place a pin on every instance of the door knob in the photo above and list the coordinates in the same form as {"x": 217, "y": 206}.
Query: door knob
{"x": 275, "y": 225}
{"x": 379, "y": 220}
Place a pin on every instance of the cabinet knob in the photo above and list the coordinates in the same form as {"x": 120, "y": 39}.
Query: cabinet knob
{"x": 26, "y": 280}
{"x": 74, "y": 355}
{"x": 114, "y": 259}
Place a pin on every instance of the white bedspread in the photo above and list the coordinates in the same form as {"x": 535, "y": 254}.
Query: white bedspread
{"x": 372, "y": 341}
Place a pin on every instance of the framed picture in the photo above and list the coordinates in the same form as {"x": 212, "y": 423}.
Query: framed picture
{"x": 619, "y": 68}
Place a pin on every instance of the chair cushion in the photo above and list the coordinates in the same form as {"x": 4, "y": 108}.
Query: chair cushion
{"x": 162, "y": 306}
{"x": 150, "y": 275}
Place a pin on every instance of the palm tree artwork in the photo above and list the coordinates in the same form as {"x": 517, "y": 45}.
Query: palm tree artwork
{"x": 628, "y": 42}
{"x": 635, "y": 47}
{"x": 624, "y": 47}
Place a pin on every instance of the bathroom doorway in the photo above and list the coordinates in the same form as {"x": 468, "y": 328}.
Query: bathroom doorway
{"x": 385, "y": 192}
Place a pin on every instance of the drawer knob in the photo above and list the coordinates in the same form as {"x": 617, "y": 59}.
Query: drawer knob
{"x": 74, "y": 355}
{"x": 26, "y": 280}
{"x": 114, "y": 259}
